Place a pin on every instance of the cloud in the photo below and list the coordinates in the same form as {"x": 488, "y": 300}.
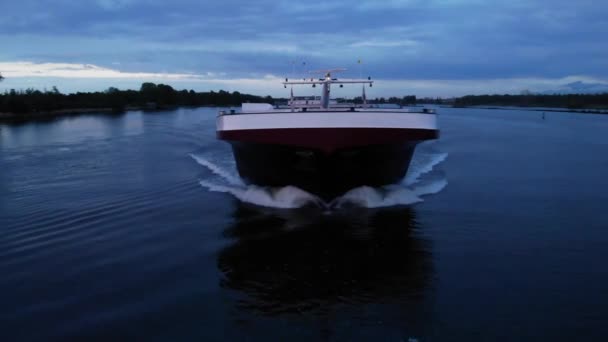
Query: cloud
{"x": 86, "y": 77}
{"x": 89, "y": 71}
{"x": 434, "y": 40}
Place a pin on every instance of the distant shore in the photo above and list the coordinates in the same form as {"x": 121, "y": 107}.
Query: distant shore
{"x": 34, "y": 105}
{"x": 536, "y": 109}
{"x": 577, "y": 103}
{"x": 31, "y": 104}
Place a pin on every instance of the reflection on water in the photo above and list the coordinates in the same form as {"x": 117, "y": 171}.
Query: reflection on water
{"x": 307, "y": 261}
{"x": 70, "y": 129}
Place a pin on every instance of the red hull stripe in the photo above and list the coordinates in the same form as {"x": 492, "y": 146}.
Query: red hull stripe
{"x": 329, "y": 139}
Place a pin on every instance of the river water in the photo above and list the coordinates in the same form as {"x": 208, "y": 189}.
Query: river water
{"x": 137, "y": 227}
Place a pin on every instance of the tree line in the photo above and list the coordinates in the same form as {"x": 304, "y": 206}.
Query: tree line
{"x": 403, "y": 101}
{"x": 157, "y": 96}
{"x": 573, "y": 101}
{"x": 150, "y": 95}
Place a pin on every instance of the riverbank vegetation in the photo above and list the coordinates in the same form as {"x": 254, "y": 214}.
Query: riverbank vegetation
{"x": 567, "y": 101}
{"x": 570, "y": 101}
{"x": 30, "y": 103}
{"x": 402, "y": 101}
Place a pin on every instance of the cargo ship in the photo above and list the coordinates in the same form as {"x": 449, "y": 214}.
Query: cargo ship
{"x": 321, "y": 146}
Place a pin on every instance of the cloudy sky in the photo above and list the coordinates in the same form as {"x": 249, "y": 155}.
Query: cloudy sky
{"x": 423, "y": 47}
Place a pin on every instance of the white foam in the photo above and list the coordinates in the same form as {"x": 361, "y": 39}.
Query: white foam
{"x": 422, "y": 164}
{"x": 389, "y": 196}
{"x": 226, "y": 175}
{"x": 409, "y": 191}
{"x": 431, "y": 188}
{"x": 288, "y": 197}
{"x": 369, "y": 197}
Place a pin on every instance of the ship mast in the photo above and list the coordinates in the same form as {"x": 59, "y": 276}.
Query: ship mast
{"x": 326, "y": 91}
{"x": 326, "y": 81}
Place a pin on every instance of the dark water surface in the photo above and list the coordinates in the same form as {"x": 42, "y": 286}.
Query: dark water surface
{"x": 136, "y": 227}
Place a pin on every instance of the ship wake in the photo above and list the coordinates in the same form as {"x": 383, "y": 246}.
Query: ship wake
{"x": 424, "y": 178}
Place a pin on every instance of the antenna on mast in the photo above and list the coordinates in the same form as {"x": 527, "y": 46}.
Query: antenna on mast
{"x": 293, "y": 72}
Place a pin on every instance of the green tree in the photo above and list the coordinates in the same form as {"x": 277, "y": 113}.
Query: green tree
{"x": 148, "y": 92}
{"x": 147, "y": 87}
{"x": 165, "y": 94}
{"x": 161, "y": 95}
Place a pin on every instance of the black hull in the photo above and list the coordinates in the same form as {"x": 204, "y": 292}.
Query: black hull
{"x": 326, "y": 175}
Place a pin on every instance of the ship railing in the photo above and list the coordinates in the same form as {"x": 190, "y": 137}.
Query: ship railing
{"x": 336, "y": 109}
